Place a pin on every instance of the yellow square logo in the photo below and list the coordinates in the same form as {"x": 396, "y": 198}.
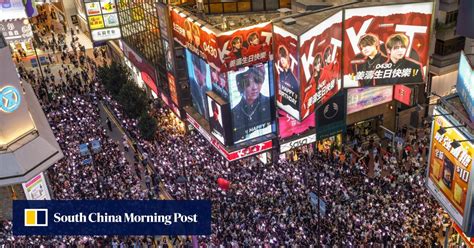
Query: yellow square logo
{"x": 36, "y": 217}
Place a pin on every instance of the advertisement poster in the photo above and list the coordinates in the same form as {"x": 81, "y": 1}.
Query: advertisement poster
{"x": 289, "y": 126}
{"x": 108, "y": 6}
{"x": 36, "y": 188}
{"x": 364, "y": 98}
{"x": 250, "y": 93}
{"x": 12, "y": 9}
{"x": 320, "y": 58}
{"x": 200, "y": 82}
{"x": 402, "y": 94}
{"x": 147, "y": 72}
{"x": 173, "y": 92}
{"x": 93, "y": 8}
{"x": 196, "y": 37}
{"x": 16, "y": 30}
{"x": 449, "y": 167}
{"x": 386, "y": 45}
{"x": 111, "y": 20}
{"x": 245, "y": 47}
{"x": 219, "y": 83}
{"x": 96, "y": 22}
{"x": 216, "y": 120}
{"x": 331, "y": 117}
{"x": 286, "y": 68}
{"x": 465, "y": 85}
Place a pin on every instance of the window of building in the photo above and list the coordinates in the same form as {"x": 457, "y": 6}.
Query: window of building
{"x": 244, "y": 6}
{"x": 449, "y": 46}
{"x": 451, "y": 16}
{"x": 258, "y": 5}
{"x": 271, "y": 4}
{"x": 285, "y": 3}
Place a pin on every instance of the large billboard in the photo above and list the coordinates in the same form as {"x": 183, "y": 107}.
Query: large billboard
{"x": 465, "y": 85}
{"x": 331, "y": 117}
{"x": 320, "y": 58}
{"x": 450, "y": 167}
{"x": 195, "y": 36}
{"x": 364, "y": 98}
{"x": 289, "y": 126}
{"x": 386, "y": 45}
{"x": 219, "y": 118}
{"x": 286, "y": 71}
{"x": 251, "y": 91}
{"x": 245, "y": 46}
{"x": 199, "y": 81}
{"x": 103, "y": 21}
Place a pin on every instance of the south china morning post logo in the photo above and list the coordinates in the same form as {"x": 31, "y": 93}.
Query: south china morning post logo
{"x": 111, "y": 217}
{"x": 36, "y": 217}
{"x": 10, "y": 99}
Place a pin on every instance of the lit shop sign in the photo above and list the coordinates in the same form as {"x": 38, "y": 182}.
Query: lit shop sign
{"x": 10, "y": 99}
{"x": 16, "y": 30}
{"x": 103, "y": 20}
{"x": 235, "y": 155}
{"x": 297, "y": 143}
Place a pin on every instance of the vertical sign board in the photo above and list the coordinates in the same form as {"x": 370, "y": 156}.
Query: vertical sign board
{"x": 331, "y": 117}
{"x": 36, "y": 188}
{"x": 320, "y": 59}
{"x": 102, "y": 18}
{"x": 465, "y": 85}
{"x": 450, "y": 166}
{"x": 286, "y": 71}
{"x": 219, "y": 118}
{"x": 386, "y": 45}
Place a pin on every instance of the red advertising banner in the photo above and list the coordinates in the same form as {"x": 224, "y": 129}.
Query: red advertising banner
{"x": 402, "y": 94}
{"x": 320, "y": 59}
{"x": 148, "y": 73}
{"x": 245, "y": 46}
{"x": 235, "y": 155}
{"x": 289, "y": 126}
{"x": 286, "y": 71}
{"x": 195, "y": 36}
{"x": 386, "y": 45}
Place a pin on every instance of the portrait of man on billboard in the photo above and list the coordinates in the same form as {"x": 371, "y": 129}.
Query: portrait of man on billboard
{"x": 289, "y": 86}
{"x": 196, "y": 35}
{"x": 219, "y": 83}
{"x": 198, "y": 85}
{"x": 215, "y": 120}
{"x": 369, "y": 46}
{"x": 252, "y": 112}
{"x": 254, "y": 45}
{"x": 188, "y": 28}
{"x": 403, "y": 69}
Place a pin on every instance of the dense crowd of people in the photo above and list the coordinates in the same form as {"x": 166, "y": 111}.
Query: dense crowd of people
{"x": 266, "y": 205}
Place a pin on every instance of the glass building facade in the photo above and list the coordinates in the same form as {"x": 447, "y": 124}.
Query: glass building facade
{"x": 141, "y": 31}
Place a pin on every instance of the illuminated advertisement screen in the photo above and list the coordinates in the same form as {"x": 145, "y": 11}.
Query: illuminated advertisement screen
{"x": 219, "y": 84}
{"x": 289, "y": 126}
{"x": 320, "y": 58}
{"x": 331, "y": 117}
{"x": 364, "y": 98}
{"x": 103, "y": 19}
{"x": 219, "y": 119}
{"x": 402, "y": 94}
{"x": 245, "y": 46}
{"x": 250, "y": 93}
{"x": 449, "y": 166}
{"x": 386, "y": 45}
{"x": 286, "y": 68}
{"x": 12, "y": 9}
{"x": 200, "y": 82}
{"x": 465, "y": 85}
{"x": 194, "y": 36}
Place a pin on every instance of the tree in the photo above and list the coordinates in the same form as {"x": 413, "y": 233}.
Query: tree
{"x": 147, "y": 126}
{"x": 113, "y": 77}
{"x": 133, "y": 99}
